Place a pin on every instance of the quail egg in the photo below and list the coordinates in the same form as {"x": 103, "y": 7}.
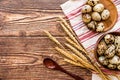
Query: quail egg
{"x": 100, "y": 27}
{"x": 103, "y": 60}
{"x": 102, "y": 47}
{"x": 118, "y": 67}
{"x": 117, "y": 40}
{"x": 109, "y": 38}
{"x": 112, "y": 66}
{"x": 98, "y": 7}
{"x": 117, "y": 44}
{"x": 105, "y": 14}
{"x": 118, "y": 52}
{"x": 93, "y": 2}
{"x": 92, "y": 25}
{"x": 86, "y": 9}
{"x": 110, "y": 52}
{"x": 86, "y": 18}
{"x": 115, "y": 60}
{"x": 96, "y": 16}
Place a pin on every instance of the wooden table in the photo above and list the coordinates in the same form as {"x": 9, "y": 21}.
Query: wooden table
{"x": 23, "y": 46}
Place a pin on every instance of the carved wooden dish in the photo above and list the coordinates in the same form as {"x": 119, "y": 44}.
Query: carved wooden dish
{"x": 109, "y": 23}
{"x": 98, "y": 41}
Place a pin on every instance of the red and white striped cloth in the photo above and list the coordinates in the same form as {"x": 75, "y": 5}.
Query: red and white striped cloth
{"x": 72, "y": 10}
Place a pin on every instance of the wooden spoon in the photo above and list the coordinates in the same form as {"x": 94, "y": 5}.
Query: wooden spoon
{"x": 50, "y": 64}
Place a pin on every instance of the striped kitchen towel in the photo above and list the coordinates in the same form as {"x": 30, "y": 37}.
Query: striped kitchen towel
{"x": 72, "y": 10}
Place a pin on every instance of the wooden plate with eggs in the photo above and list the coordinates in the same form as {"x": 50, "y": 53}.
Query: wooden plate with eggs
{"x": 107, "y": 50}
{"x": 99, "y": 15}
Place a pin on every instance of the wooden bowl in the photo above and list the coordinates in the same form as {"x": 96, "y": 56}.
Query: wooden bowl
{"x": 95, "y": 50}
{"x": 109, "y": 23}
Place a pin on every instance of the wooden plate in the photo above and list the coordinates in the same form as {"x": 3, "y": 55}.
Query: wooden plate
{"x": 113, "y": 14}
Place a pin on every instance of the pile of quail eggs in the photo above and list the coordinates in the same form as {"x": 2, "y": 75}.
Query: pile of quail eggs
{"x": 108, "y": 51}
{"x": 93, "y": 15}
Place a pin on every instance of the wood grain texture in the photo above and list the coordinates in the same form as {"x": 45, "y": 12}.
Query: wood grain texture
{"x": 23, "y": 46}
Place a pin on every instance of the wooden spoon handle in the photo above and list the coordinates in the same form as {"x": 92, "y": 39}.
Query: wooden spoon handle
{"x": 72, "y": 75}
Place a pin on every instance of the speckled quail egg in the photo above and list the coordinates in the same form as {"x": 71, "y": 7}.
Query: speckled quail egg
{"x": 117, "y": 44}
{"x": 115, "y": 60}
{"x": 96, "y": 16}
{"x": 86, "y": 9}
{"x": 101, "y": 48}
{"x": 86, "y": 18}
{"x": 93, "y": 2}
{"x": 103, "y": 60}
{"x": 112, "y": 66}
{"x": 109, "y": 38}
{"x": 118, "y": 51}
{"x": 100, "y": 27}
{"x": 118, "y": 67}
{"x": 98, "y": 7}
{"x": 117, "y": 41}
{"x": 92, "y": 25}
{"x": 105, "y": 14}
{"x": 110, "y": 52}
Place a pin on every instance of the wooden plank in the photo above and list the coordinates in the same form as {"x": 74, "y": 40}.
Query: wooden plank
{"x": 31, "y": 30}
{"x": 34, "y": 25}
{"x": 23, "y": 46}
{"x": 17, "y": 12}
{"x": 33, "y": 73}
{"x": 34, "y": 4}
{"x": 11, "y": 55}
{"x": 35, "y": 48}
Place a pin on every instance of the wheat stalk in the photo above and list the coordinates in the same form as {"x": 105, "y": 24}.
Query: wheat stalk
{"x": 53, "y": 39}
{"x": 69, "y": 33}
{"x": 76, "y": 46}
{"x": 76, "y": 57}
{"x": 67, "y": 25}
{"x": 74, "y": 63}
{"x": 82, "y": 49}
{"x": 76, "y": 52}
{"x": 63, "y": 52}
{"x": 73, "y": 56}
{"x": 95, "y": 66}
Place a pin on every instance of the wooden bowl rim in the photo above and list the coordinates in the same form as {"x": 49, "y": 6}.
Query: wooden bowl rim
{"x": 112, "y": 25}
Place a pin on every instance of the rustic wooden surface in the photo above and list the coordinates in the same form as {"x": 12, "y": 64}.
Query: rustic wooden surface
{"x": 24, "y": 46}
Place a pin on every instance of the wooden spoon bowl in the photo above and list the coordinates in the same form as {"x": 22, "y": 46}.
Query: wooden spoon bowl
{"x": 109, "y": 23}
{"x": 95, "y": 50}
